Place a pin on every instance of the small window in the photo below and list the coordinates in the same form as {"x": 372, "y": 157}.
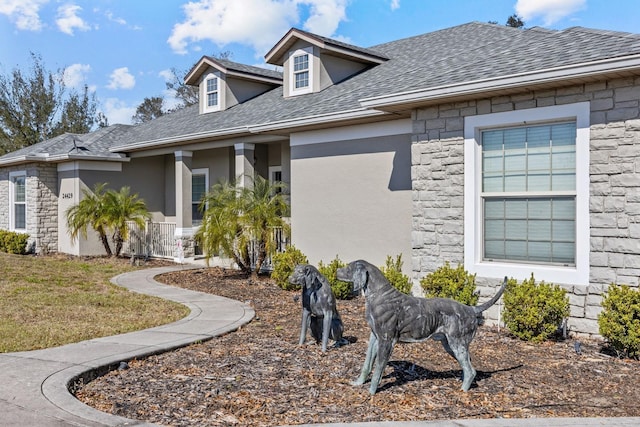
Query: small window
{"x": 199, "y": 185}
{"x": 212, "y": 92}
{"x": 18, "y": 200}
{"x": 301, "y": 70}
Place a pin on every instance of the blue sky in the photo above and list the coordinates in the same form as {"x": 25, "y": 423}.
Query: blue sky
{"x": 123, "y": 49}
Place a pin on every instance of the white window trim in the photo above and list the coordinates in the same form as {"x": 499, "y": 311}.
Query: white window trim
{"x": 473, "y": 263}
{"x": 205, "y": 172}
{"x": 205, "y": 102}
{"x": 292, "y": 79}
{"x": 12, "y": 214}
{"x": 272, "y": 172}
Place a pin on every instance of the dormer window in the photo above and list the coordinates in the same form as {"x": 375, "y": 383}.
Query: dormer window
{"x": 212, "y": 92}
{"x": 211, "y": 97}
{"x": 300, "y": 71}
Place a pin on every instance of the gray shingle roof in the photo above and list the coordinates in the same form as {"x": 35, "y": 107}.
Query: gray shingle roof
{"x": 91, "y": 145}
{"x": 465, "y": 53}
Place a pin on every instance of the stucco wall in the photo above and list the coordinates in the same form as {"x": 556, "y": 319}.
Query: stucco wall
{"x": 351, "y": 194}
{"x": 614, "y": 199}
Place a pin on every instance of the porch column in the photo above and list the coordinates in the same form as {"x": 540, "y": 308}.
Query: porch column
{"x": 245, "y": 161}
{"x": 184, "y": 224}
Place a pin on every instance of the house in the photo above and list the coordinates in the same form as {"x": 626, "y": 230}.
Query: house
{"x": 511, "y": 152}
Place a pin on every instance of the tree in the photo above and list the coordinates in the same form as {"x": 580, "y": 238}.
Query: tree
{"x": 151, "y": 108}
{"x": 34, "y": 107}
{"x": 240, "y": 221}
{"x": 90, "y": 212}
{"x": 121, "y": 207}
{"x": 515, "y": 21}
{"x": 106, "y": 212}
{"x": 78, "y": 113}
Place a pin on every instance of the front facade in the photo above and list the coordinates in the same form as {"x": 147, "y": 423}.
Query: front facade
{"x": 487, "y": 146}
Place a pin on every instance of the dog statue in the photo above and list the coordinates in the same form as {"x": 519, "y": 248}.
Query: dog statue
{"x": 319, "y": 311}
{"x": 397, "y": 317}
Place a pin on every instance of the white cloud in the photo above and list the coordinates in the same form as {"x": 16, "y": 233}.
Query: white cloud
{"x": 75, "y": 75}
{"x": 68, "y": 19}
{"x": 121, "y": 78}
{"x": 258, "y": 23}
{"x": 23, "y": 13}
{"x": 395, "y": 4}
{"x": 167, "y": 75}
{"x": 117, "y": 111}
{"x": 111, "y": 17}
{"x": 550, "y": 11}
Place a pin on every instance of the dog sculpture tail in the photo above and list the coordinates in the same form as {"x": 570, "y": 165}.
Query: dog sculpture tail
{"x": 483, "y": 307}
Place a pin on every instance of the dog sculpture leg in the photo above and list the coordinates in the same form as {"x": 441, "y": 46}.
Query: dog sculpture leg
{"x": 372, "y": 351}
{"x": 306, "y": 314}
{"x": 326, "y": 329}
{"x": 384, "y": 353}
{"x": 462, "y": 356}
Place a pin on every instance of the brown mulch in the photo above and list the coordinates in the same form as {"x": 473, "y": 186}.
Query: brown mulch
{"x": 259, "y": 376}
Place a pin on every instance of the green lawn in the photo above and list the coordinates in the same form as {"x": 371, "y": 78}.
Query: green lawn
{"x": 48, "y": 301}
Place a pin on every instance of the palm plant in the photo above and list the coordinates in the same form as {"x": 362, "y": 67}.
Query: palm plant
{"x": 238, "y": 221}
{"x": 122, "y": 206}
{"x": 106, "y": 211}
{"x": 89, "y": 212}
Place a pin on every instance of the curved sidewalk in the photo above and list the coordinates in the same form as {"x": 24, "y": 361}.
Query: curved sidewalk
{"x": 34, "y": 384}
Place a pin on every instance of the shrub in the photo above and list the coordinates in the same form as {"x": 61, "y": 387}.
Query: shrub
{"x": 534, "y": 312}
{"x": 13, "y": 243}
{"x": 393, "y": 272}
{"x": 283, "y": 265}
{"x": 341, "y": 290}
{"x": 619, "y": 322}
{"x": 447, "y": 282}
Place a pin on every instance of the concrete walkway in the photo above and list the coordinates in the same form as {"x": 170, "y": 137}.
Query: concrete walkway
{"x": 34, "y": 384}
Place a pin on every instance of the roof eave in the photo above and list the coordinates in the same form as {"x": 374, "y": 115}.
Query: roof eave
{"x": 163, "y": 142}
{"x": 412, "y": 99}
{"x": 58, "y": 158}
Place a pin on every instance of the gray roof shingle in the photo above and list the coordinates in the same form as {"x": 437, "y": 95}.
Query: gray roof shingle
{"x": 465, "y": 53}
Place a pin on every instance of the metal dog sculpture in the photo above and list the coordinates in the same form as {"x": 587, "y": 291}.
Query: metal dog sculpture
{"x": 396, "y": 317}
{"x": 319, "y": 311}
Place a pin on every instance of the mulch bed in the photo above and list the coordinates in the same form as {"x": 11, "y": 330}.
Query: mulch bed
{"x": 259, "y": 376}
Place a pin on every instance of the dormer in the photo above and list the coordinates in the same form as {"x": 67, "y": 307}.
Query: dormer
{"x": 312, "y": 63}
{"x": 223, "y": 84}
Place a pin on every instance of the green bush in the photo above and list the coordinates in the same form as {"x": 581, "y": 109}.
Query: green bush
{"x": 534, "y": 312}
{"x": 619, "y": 322}
{"x": 283, "y": 265}
{"x": 13, "y": 243}
{"x": 341, "y": 290}
{"x": 393, "y": 272}
{"x": 447, "y": 282}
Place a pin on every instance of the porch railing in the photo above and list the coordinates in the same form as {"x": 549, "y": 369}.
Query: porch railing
{"x": 156, "y": 239}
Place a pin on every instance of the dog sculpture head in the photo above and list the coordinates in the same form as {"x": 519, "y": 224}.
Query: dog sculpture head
{"x": 357, "y": 274}
{"x": 305, "y": 275}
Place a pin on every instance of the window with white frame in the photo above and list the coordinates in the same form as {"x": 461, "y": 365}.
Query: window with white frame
{"x": 212, "y": 92}
{"x": 199, "y": 185}
{"x": 526, "y": 194}
{"x": 301, "y": 75}
{"x": 18, "y": 200}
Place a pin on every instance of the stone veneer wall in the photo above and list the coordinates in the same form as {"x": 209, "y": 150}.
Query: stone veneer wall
{"x": 438, "y": 188}
{"x": 42, "y": 204}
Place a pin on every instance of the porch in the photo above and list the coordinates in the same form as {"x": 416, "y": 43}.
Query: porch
{"x": 159, "y": 240}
